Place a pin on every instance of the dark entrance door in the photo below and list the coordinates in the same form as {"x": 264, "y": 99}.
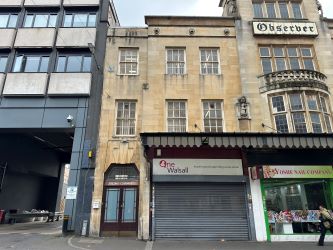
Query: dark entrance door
{"x": 120, "y": 209}
{"x": 120, "y": 202}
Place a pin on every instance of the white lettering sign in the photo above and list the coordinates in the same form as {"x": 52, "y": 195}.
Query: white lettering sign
{"x": 197, "y": 167}
{"x": 319, "y": 172}
{"x": 71, "y": 193}
{"x": 285, "y": 28}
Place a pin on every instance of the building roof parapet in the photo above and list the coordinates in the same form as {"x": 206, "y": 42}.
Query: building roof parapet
{"x": 209, "y": 21}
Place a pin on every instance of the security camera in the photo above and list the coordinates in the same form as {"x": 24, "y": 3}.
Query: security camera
{"x": 69, "y": 118}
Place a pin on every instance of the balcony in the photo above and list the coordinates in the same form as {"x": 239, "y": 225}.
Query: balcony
{"x": 290, "y": 79}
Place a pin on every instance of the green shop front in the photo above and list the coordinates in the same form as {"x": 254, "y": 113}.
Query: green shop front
{"x": 290, "y": 199}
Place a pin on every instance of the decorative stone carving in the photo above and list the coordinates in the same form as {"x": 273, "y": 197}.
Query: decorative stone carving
{"x": 243, "y": 108}
{"x": 297, "y": 78}
{"x": 231, "y": 6}
{"x": 320, "y": 8}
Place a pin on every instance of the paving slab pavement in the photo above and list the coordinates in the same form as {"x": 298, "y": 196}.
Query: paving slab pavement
{"x": 234, "y": 245}
{"x": 48, "y": 236}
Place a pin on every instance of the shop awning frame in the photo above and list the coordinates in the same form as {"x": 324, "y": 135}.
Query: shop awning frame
{"x": 239, "y": 140}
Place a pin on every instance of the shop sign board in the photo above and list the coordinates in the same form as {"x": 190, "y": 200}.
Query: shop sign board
{"x": 297, "y": 172}
{"x": 197, "y": 167}
{"x": 285, "y": 28}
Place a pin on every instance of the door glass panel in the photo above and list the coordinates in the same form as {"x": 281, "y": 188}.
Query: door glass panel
{"x": 129, "y": 208}
{"x": 111, "y": 205}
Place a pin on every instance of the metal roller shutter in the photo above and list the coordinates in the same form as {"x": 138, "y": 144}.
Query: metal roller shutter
{"x": 211, "y": 211}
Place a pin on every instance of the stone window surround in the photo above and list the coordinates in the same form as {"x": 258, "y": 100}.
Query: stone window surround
{"x": 287, "y": 58}
{"x": 325, "y": 115}
{"x": 263, "y": 7}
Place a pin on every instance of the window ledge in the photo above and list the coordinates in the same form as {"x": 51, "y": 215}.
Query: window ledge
{"x": 176, "y": 75}
{"x": 124, "y": 138}
{"x": 279, "y": 19}
{"x": 127, "y": 75}
{"x": 210, "y": 74}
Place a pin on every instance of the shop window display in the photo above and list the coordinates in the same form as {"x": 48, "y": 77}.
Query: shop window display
{"x": 292, "y": 205}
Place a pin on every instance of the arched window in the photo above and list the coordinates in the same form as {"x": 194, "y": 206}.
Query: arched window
{"x": 122, "y": 173}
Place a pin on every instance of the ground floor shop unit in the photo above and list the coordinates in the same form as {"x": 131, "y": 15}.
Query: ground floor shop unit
{"x": 196, "y": 192}
{"x": 288, "y": 190}
{"x": 201, "y": 210}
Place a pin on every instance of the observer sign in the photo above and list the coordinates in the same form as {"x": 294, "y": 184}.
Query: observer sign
{"x": 285, "y": 28}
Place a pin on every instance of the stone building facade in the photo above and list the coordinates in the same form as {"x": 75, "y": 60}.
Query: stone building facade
{"x": 201, "y": 115}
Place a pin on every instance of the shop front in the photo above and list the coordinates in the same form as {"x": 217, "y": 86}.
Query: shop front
{"x": 278, "y": 206}
{"x": 291, "y": 196}
{"x": 200, "y": 198}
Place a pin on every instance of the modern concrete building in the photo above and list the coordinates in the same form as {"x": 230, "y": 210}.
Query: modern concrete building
{"x": 51, "y": 64}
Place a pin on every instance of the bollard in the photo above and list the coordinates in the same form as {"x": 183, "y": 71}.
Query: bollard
{"x": 65, "y": 224}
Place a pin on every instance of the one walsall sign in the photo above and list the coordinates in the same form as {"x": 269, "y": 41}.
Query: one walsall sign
{"x": 285, "y": 28}
{"x": 197, "y": 167}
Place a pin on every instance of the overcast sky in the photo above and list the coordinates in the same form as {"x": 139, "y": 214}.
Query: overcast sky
{"x": 132, "y": 12}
